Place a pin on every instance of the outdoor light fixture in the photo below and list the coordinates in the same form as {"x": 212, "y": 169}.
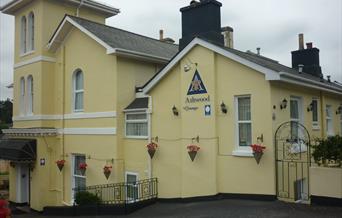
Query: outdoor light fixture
{"x": 283, "y": 104}
{"x": 224, "y": 108}
{"x": 339, "y": 110}
{"x": 310, "y": 107}
{"x": 175, "y": 111}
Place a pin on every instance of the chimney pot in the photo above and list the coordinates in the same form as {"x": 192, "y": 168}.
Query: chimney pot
{"x": 258, "y": 50}
{"x": 161, "y": 35}
{"x": 309, "y": 45}
{"x": 301, "y": 41}
{"x": 228, "y": 34}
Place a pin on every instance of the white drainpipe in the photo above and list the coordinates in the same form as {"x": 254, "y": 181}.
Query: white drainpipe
{"x": 78, "y": 8}
{"x": 149, "y": 115}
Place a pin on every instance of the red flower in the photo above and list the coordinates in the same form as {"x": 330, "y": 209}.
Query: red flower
{"x": 107, "y": 169}
{"x": 60, "y": 162}
{"x": 152, "y": 146}
{"x": 82, "y": 166}
{"x": 193, "y": 147}
{"x": 258, "y": 148}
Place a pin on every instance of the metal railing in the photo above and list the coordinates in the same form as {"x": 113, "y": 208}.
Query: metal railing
{"x": 123, "y": 193}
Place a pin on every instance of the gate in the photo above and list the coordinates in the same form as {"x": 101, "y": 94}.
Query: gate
{"x": 292, "y": 149}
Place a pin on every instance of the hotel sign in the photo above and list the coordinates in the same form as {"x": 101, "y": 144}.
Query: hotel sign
{"x": 197, "y": 87}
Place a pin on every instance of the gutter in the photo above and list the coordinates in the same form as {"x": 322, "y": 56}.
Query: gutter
{"x": 138, "y": 55}
{"x": 294, "y": 79}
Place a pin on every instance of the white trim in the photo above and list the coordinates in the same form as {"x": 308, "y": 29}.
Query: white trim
{"x": 135, "y": 110}
{"x": 34, "y": 60}
{"x": 94, "y": 115}
{"x": 242, "y": 153}
{"x": 135, "y": 54}
{"x": 26, "y": 53}
{"x": 88, "y": 131}
{"x": 84, "y": 30}
{"x": 270, "y": 74}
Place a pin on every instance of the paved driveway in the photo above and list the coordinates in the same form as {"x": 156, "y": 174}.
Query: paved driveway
{"x": 227, "y": 208}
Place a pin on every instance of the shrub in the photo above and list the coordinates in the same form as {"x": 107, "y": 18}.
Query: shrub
{"x": 327, "y": 149}
{"x": 86, "y": 198}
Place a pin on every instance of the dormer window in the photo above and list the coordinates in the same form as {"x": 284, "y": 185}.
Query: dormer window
{"x": 23, "y": 38}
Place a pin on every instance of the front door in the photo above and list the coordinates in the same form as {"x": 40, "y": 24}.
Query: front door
{"x": 132, "y": 187}
{"x": 23, "y": 183}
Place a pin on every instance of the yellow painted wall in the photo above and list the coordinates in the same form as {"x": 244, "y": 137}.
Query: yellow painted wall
{"x": 326, "y": 182}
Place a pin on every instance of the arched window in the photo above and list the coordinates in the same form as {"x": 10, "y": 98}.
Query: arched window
{"x": 30, "y": 32}
{"x": 78, "y": 90}
{"x": 30, "y": 94}
{"x": 23, "y": 40}
{"x": 22, "y": 96}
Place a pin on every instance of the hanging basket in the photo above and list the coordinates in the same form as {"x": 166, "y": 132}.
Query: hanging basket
{"x": 257, "y": 156}
{"x": 83, "y": 170}
{"x": 60, "y": 167}
{"x": 192, "y": 155}
{"x": 60, "y": 164}
{"x": 107, "y": 174}
{"x": 151, "y": 152}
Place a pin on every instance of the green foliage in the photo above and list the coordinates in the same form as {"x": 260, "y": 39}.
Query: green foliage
{"x": 327, "y": 149}
{"x": 6, "y": 112}
{"x": 86, "y": 198}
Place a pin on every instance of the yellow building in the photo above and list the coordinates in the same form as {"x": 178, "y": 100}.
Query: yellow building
{"x": 88, "y": 93}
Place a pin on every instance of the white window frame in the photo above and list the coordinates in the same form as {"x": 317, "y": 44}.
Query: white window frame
{"x": 22, "y": 96}
{"x": 23, "y": 35}
{"x": 244, "y": 151}
{"x": 329, "y": 132}
{"x": 73, "y": 183}
{"x": 30, "y": 93}
{"x": 298, "y": 147}
{"x": 315, "y": 124}
{"x": 30, "y": 32}
{"x": 147, "y": 121}
{"x": 74, "y": 91}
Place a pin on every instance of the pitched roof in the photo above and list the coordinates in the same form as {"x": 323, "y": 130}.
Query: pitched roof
{"x": 118, "y": 40}
{"x": 271, "y": 68}
{"x": 138, "y": 103}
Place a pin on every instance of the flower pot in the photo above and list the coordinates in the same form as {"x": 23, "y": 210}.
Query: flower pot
{"x": 60, "y": 167}
{"x": 107, "y": 174}
{"x": 151, "y": 152}
{"x": 257, "y": 156}
{"x": 83, "y": 170}
{"x": 192, "y": 155}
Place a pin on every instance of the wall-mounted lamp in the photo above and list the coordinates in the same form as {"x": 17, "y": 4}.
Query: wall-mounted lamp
{"x": 175, "y": 111}
{"x": 339, "y": 110}
{"x": 224, "y": 108}
{"x": 283, "y": 104}
{"x": 310, "y": 107}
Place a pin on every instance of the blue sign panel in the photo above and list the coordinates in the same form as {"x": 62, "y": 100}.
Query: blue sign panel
{"x": 197, "y": 85}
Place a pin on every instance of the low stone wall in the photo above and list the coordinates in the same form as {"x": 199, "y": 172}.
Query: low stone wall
{"x": 326, "y": 185}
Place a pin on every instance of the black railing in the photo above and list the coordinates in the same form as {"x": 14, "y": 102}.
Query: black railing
{"x": 123, "y": 193}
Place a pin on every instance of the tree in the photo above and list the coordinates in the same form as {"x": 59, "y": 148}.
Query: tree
{"x": 6, "y": 111}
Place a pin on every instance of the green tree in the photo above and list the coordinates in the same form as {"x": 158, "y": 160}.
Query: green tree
{"x": 6, "y": 111}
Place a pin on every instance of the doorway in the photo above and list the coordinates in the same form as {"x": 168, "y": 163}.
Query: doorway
{"x": 23, "y": 183}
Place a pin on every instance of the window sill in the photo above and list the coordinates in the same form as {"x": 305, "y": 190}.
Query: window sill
{"x": 242, "y": 153}
{"x": 137, "y": 137}
{"x": 26, "y": 53}
{"x": 316, "y": 128}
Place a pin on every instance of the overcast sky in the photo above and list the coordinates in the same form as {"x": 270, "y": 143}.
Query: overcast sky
{"x": 272, "y": 25}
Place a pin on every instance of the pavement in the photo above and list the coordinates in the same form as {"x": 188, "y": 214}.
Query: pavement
{"x": 224, "y": 208}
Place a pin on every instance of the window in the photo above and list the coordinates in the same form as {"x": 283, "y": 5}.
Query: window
{"x": 30, "y": 32}
{"x": 244, "y": 121}
{"x": 79, "y": 181}
{"x": 315, "y": 123}
{"x": 295, "y": 116}
{"x": 30, "y": 94}
{"x": 23, "y": 39}
{"x": 136, "y": 125}
{"x": 22, "y": 96}
{"x": 78, "y": 91}
{"x": 329, "y": 120}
